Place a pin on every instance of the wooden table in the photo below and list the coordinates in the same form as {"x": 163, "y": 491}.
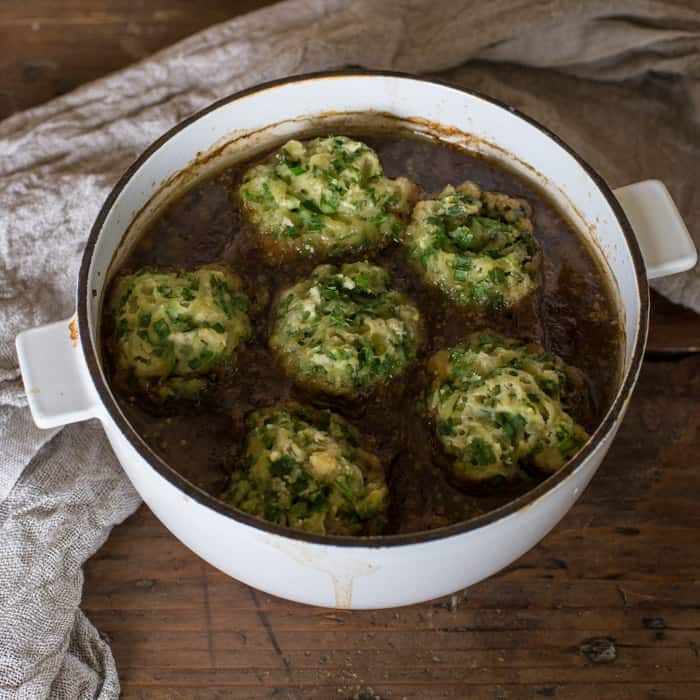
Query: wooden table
{"x": 606, "y": 607}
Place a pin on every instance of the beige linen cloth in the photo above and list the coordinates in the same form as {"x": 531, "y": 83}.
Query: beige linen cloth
{"x": 620, "y": 81}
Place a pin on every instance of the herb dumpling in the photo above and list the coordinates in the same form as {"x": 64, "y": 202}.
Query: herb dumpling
{"x": 304, "y": 468}
{"x": 343, "y": 331}
{"x": 498, "y": 405}
{"x": 173, "y": 329}
{"x": 325, "y": 197}
{"x": 477, "y": 247}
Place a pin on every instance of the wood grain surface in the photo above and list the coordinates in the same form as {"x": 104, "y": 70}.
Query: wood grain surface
{"x": 606, "y": 607}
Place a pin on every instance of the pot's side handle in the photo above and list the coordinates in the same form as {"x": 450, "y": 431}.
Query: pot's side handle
{"x": 56, "y": 379}
{"x": 666, "y": 245}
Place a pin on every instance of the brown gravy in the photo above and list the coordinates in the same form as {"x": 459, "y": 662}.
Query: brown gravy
{"x": 573, "y": 314}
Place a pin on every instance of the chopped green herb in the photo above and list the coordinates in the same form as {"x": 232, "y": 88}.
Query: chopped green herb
{"x": 161, "y": 328}
{"x": 482, "y": 452}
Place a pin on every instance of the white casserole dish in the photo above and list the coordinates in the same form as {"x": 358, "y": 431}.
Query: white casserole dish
{"x": 65, "y": 381}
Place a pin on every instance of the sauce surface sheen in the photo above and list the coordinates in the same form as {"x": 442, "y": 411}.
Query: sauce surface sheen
{"x": 572, "y": 314}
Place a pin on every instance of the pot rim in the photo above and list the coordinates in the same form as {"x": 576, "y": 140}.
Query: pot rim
{"x": 188, "y": 488}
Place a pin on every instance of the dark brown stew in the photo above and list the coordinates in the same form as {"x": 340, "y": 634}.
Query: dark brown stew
{"x": 573, "y": 315}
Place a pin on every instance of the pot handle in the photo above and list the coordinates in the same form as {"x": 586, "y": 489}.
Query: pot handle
{"x": 666, "y": 245}
{"x": 56, "y": 379}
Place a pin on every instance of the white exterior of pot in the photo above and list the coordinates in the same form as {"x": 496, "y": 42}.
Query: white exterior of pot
{"x": 64, "y": 380}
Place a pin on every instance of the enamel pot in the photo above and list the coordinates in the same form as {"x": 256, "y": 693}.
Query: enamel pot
{"x": 636, "y": 231}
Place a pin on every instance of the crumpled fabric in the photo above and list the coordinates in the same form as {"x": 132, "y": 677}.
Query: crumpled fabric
{"x": 619, "y": 81}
